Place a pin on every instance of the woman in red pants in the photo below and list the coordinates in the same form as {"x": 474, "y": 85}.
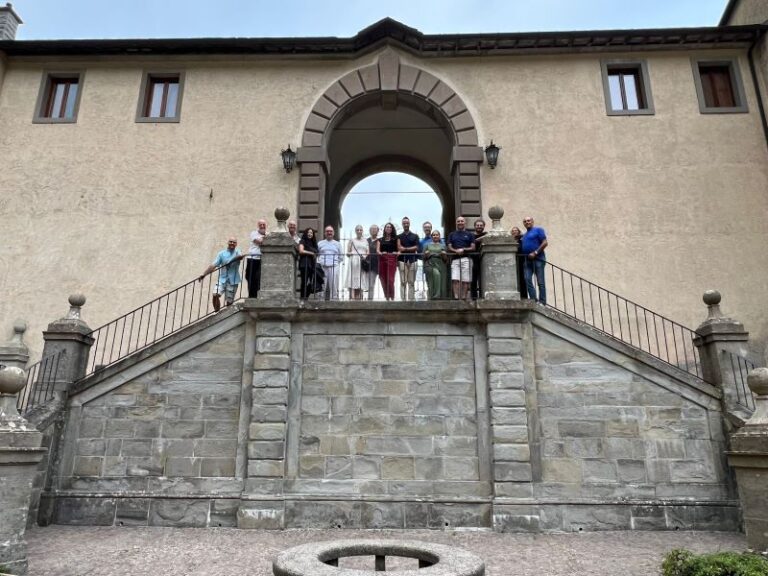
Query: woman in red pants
{"x": 386, "y": 247}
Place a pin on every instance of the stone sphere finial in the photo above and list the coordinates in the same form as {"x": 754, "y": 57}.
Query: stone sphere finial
{"x": 77, "y": 299}
{"x": 76, "y": 302}
{"x": 712, "y": 300}
{"x": 757, "y": 380}
{"x": 496, "y": 213}
{"x": 712, "y": 297}
{"x": 281, "y": 215}
{"x": 12, "y": 379}
{"x": 19, "y": 327}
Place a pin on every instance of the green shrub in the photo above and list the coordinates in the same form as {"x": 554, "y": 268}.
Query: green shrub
{"x": 686, "y": 563}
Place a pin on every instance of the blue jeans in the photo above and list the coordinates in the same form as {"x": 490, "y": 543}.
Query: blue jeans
{"x": 535, "y": 267}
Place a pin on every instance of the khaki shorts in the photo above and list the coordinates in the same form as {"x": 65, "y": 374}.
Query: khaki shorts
{"x": 461, "y": 269}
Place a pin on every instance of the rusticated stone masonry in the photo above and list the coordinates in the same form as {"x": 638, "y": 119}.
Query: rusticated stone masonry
{"x": 271, "y": 369}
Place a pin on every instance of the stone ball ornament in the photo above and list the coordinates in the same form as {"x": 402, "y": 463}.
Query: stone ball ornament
{"x": 77, "y": 300}
{"x": 12, "y": 379}
{"x": 282, "y": 214}
{"x": 757, "y": 380}
{"x": 496, "y": 212}
{"x": 712, "y": 298}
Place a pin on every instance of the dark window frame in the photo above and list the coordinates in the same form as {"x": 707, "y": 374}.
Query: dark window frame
{"x": 45, "y": 97}
{"x": 737, "y": 85}
{"x": 148, "y": 81}
{"x": 643, "y": 83}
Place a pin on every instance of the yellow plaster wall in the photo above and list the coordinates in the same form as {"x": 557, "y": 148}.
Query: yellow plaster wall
{"x": 657, "y": 208}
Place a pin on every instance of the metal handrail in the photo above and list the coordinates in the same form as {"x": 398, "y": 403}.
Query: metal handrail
{"x": 621, "y": 318}
{"x": 740, "y": 367}
{"x": 157, "y": 319}
{"x": 41, "y": 380}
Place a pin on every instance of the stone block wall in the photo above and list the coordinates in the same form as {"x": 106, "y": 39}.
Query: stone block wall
{"x": 640, "y": 447}
{"x": 389, "y": 408}
{"x": 169, "y": 431}
{"x": 521, "y": 422}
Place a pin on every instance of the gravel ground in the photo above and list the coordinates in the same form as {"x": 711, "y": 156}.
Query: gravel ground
{"x": 98, "y": 551}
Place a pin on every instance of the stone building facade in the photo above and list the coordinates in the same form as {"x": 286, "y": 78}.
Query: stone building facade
{"x": 124, "y": 205}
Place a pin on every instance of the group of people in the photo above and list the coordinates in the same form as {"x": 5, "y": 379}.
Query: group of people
{"x": 380, "y": 257}
{"x": 451, "y": 268}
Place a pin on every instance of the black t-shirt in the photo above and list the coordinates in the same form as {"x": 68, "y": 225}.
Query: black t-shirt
{"x": 408, "y": 240}
{"x": 388, "y": 246}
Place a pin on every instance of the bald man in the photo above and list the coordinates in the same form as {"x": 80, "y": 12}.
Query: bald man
{"x": 253, "y": 263}
{"x": 228, "y": 260}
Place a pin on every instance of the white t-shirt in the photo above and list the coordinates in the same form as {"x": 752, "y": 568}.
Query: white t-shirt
{"x": 255, "y": 249}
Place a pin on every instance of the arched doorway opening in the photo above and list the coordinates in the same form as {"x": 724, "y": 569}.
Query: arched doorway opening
{"x": 388, "y": 197}
{"x": 388, "y": 116}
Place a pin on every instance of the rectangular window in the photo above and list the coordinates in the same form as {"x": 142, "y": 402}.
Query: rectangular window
{"x": 718, "y": 86}
{"x": 160, "y": 98}
{"x": 627, "y": 88}
{"x": 59, "y": 98}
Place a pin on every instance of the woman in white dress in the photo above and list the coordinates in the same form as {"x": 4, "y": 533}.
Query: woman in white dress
{"x": 357, "y": 278}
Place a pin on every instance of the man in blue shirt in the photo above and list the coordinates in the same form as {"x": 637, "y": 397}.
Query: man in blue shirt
{"x": 533, "y": 243}
{"x": 228, "y": 262}
{"x": 407, "y": 260}
{"x": 461, "y": 242}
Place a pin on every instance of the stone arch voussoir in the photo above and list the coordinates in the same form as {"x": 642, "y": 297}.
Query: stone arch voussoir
{"x": 388, "y": 75}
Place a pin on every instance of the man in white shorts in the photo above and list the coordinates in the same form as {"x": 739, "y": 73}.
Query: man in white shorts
{"x": 461, "y": 242}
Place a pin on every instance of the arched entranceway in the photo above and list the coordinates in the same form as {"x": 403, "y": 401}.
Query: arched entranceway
{"x": 388, "y": 197}
{"x": 388, "y": 116}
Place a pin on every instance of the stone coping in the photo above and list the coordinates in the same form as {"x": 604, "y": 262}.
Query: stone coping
{"x": 436, "y": 559}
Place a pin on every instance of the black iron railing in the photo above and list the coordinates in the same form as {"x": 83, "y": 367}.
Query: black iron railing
{"x": 740, "y": 367}
{"x": 620, "y": 318}
{"x": 41, "y": 380}
{"x": 163, "y": 316}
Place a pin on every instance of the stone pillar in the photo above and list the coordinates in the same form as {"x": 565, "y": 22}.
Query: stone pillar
{"x": 749, "y": 458}
{"x": 498, "y": 279}
{"x": 278, "y": 268}
{"x": 512, "y": 474}
{"x": 15, "y": 353}
{"x": 70, "y": 335}
{"x": 9, "y": 22}
{"x": 272, "y": 312}
{"x": 717, "y": 335}
{"x": 20, "y": 452}
{"x": 268, "y": 427}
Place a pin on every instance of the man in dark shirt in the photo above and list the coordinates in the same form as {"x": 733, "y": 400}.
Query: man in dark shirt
{"x": 476, "y": 257}
{"x": 407, "y": 248}
{"x": 460, "y": 243}
{"x": 532, "y": 246}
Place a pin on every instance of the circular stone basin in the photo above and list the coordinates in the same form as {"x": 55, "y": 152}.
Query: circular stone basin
{"x": 322, "y": 559}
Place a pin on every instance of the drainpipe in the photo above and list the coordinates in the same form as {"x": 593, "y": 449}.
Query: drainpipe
{"x": 756, "y": 80}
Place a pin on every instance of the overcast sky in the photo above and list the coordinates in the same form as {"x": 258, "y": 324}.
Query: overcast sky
{"x": 198, "y": 18}
{"x": 51, "y": 19}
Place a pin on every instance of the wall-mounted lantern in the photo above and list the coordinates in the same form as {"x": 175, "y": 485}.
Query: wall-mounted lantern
{"x": 492, "y": 154}
{"x": 289, "y": 158}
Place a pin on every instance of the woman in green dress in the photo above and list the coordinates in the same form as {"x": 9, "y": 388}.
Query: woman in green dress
{"x": 435, "y": 267}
